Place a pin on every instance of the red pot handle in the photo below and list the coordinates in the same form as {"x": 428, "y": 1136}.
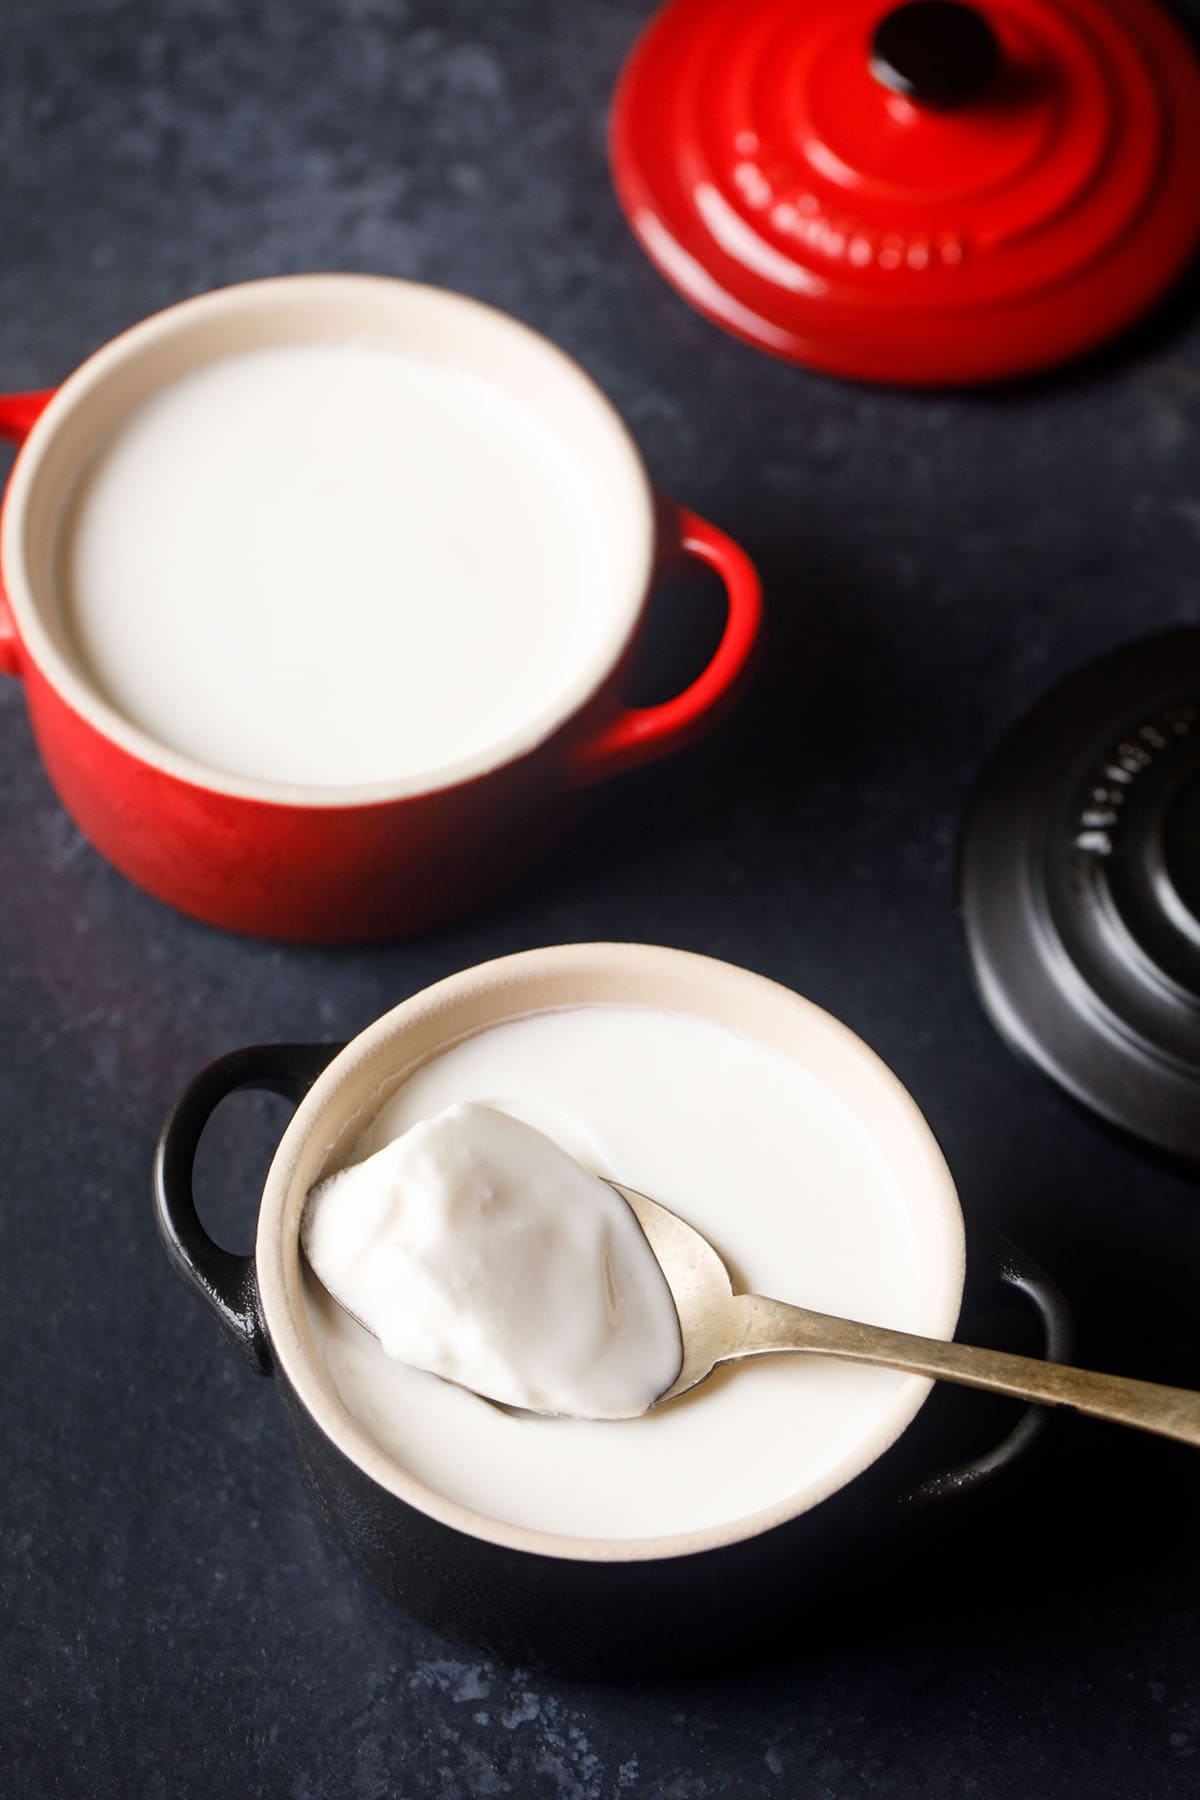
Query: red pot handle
{"x": 18, "y": 415}
{"x": 641, "y": 734}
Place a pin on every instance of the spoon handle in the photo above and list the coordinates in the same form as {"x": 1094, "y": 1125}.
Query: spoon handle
{"x": 770, "y": 1325}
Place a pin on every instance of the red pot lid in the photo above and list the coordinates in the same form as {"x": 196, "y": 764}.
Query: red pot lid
{"x": 931, "y": 195}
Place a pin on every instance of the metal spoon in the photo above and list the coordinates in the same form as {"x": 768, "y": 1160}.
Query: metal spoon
{"x": 717, "y": 1326}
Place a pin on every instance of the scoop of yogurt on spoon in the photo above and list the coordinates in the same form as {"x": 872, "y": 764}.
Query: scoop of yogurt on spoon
{"x": 473, "y": 1246}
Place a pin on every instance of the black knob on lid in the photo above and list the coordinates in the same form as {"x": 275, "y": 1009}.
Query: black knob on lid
{"x": 935, "y": 52}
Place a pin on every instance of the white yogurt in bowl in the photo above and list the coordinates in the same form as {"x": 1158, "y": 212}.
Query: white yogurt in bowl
{"x": 754, "y": 1116}
{"x": 336, "y": 564}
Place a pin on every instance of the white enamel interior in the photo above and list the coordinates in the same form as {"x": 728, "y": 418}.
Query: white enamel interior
{"x": 315, "y": 309}
{"x": 345, "y": 1099}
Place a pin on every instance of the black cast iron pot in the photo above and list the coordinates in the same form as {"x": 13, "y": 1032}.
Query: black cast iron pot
{"x": 602, "y": 1607}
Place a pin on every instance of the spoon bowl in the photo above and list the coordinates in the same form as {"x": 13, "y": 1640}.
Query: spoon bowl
{"x": 708, "y": 1308}
{"x": 718, "y": 1325}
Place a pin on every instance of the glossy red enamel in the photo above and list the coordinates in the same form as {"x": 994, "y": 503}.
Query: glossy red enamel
{"x": 798, "y": 201}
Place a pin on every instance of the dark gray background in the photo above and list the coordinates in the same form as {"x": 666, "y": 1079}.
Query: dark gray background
{"x": 174, "y": 1621}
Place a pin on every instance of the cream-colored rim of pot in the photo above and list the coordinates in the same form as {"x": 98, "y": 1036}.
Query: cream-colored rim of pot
{"x": 288, "y": 309}
{"x": 361, "y": 1077}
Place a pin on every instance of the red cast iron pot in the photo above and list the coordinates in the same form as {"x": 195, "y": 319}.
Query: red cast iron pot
{"x": 335, "y": 863}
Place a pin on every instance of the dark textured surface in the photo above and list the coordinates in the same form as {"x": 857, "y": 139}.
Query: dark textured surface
{"x": 174, "y": 1621}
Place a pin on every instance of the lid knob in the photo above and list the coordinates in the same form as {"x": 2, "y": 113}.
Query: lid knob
{"x": 938, "y": 53}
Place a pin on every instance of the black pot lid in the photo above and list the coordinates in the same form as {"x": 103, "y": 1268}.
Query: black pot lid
{"x": 1081, "y": 889}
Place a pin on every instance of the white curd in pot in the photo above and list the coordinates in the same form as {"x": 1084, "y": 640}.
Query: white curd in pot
{"x": 336, "y": 564}
{"x": 474, "y": 1247}
{"x": 763, "y": 1158}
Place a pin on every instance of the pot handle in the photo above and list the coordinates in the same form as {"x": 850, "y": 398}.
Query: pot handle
{"x": 18, "y": 415}
{"x": 1012, "y": 1269}
{"x": 225, "y": 1282}
{"x": 641, "y": 734}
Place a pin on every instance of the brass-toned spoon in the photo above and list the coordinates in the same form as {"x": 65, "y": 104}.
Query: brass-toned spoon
{"x": 717, "y": 1326}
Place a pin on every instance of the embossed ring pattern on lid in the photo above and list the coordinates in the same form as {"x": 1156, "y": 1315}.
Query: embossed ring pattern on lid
{"x": 790, "y": 193}
{"x": 1081, "y": 889}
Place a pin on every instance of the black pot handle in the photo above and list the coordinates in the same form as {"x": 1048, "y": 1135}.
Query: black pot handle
{"x": 227, "y": 1283}
{"x": 1013, "y": 1269}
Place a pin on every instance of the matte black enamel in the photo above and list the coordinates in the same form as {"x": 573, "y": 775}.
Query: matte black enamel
{"x": 602, "y": 1619}
{"x": 1081, "y": 889}
{"x": 225, "y": 1282}
{"x": 1010, "y": 1268}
